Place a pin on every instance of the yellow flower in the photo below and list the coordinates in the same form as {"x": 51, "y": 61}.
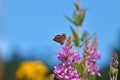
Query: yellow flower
{"x": 32, "y": 70}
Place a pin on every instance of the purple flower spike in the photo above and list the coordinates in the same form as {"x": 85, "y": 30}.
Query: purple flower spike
{"x": 92, "y": 59}
{"x": 65, "y": 70}
{"x": 76, "y": 58}
{"x": 64, "y": 53}
{"x": 93, "y": 69}
{"x": 94, "y": 56}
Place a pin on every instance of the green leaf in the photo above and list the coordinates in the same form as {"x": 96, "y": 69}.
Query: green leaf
{"x": 84, "y": 35}
{"x": 82, "y": 17}
{"x": 83, "y": 42}
{"x": 79, "y": 66}
{"x": 113, "y": 70}
{"x": 94, "y": 77}
{"x": 116, "y": 76}
{"x": 75, "y": 37}
{"x": 71, "y": 20}
{"x": 76, "y": 6}
{"x": 79, "y": 17}
{"x": 110, "y": 75}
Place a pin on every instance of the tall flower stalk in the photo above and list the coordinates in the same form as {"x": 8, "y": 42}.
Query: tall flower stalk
{"x": 114, "y": 67}
{"x": 78, "y": 28}
{"x": 90, "y": 57}
{"x": 67, "y": 56}
{"x": 77, "y": 20}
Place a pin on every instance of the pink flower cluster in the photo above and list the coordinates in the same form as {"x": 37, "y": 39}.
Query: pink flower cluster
{"x": 65, "y": 70}
{"x": 92, "y": 58}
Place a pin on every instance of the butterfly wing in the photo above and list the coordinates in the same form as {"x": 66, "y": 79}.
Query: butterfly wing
{"x": 60, "y": 38}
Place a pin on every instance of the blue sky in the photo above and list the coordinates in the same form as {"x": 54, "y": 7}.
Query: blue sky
{"x": 33, "y": 23}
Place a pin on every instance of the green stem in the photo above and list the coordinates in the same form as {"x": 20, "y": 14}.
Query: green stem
{"x": 113, "y": 77}
{"x": 78, "y": 29}
{"x": 79, "y": 37}
{"x": 85, "y": 77}
{"x": 110, "y": 76}
{"x": 78, "y": 48}
{"x": 79, "y": 3}
{"x": 116, "y": 76}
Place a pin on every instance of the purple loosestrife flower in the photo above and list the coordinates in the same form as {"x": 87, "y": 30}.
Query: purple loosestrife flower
{"x": 65, "y": 54}
{"x": 76, "y": 58}
{"x": 65, "y": 70}
{"x": 91, "y": 61}
{"x": 68, "y": 54}
{"x": 93, "y": 69}
{"x": 91, "y": 55}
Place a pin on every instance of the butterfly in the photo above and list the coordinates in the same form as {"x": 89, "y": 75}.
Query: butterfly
{"x": 60, "y": 38}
